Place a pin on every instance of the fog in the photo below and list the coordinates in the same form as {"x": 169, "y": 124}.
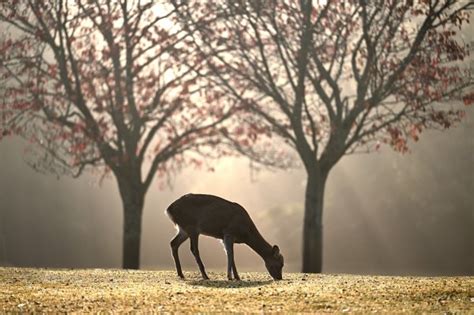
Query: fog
{"x": 385, "y": 213}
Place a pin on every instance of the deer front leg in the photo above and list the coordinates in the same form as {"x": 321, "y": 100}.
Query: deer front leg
{"x": 229, "y": 248}
{"x": 175, "y": 243}
{"x": 195, "y": 250}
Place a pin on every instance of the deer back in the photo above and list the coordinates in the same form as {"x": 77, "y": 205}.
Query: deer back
{"x": 211, "y": 215}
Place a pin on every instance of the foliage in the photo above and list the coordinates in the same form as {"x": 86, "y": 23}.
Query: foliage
{"x": 337, "y": 77}
{"x": 104, "y": 84}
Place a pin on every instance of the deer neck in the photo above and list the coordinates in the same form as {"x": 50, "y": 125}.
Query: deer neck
{"x": 259, "y": 245}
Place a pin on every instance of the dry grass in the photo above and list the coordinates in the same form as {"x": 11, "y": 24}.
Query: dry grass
{"x": 42, "y": 290}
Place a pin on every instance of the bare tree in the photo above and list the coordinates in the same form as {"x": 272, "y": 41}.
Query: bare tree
{"x": 102, "y": 85}
{"x": 333, "y": 78}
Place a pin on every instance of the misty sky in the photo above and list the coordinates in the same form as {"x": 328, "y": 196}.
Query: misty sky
{"x": 385, "y": 213}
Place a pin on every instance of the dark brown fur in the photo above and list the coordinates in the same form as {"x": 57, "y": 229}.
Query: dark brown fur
{"x": 196, "y": 214}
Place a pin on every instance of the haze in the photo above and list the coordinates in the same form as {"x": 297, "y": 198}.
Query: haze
{"x": 385, "y": 213}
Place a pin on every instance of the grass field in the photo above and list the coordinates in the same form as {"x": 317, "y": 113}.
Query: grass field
{"x": 93, "y": 290}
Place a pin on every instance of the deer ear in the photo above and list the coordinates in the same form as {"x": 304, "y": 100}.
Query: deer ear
{"x": 275, "y": 250}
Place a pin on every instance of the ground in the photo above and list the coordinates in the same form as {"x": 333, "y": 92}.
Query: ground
{"x": 45, "y": 290}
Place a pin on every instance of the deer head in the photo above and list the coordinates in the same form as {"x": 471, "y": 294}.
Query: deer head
{"x": 274, "y": 263}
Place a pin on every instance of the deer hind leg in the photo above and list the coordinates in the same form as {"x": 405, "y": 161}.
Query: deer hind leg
{"x": 195, "y": 250}
{"x": 175, "y": 243}
{"x": 229, "y": 248}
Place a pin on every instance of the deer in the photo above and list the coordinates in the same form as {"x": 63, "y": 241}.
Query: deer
{"x": 195, "y": 214}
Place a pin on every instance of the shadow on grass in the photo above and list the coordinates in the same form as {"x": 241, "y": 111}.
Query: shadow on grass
{"x": 226, "y": 284}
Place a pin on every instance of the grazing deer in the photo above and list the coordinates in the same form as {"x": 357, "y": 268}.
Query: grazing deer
{"x": 196, "y": 214}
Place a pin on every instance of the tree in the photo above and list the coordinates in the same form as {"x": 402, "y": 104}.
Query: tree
{"x": 101, "y": 85}
{"x": 332, "y": 78}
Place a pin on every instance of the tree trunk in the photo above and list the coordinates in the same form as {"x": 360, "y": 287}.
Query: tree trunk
{"x": 313, "y": 226}
{"x": 133, "y": 202}
{"x": 132, "y": 229}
